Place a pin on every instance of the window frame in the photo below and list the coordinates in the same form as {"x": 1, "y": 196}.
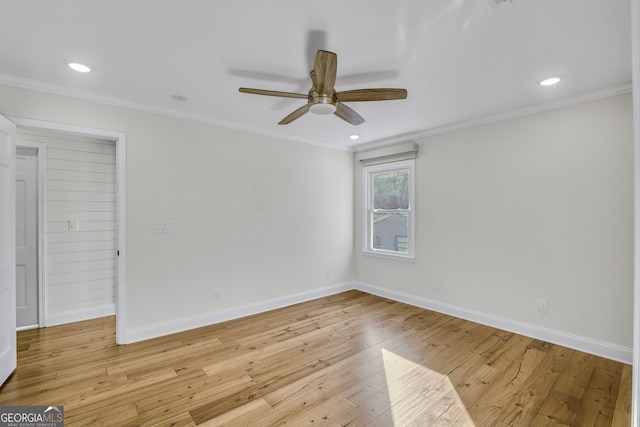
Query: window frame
{"x": 367, "y": 241}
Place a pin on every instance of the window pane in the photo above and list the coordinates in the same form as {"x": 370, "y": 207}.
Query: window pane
{"x": 391, "y": 190}
{"x": 390, "y": 231}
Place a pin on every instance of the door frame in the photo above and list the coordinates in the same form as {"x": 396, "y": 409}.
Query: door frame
{"x": 41, "y": 158}
{"x": 120, "y": 140}
{"x": 635, "y": 61}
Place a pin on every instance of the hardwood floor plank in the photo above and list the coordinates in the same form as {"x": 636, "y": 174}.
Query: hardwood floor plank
{"x": 319, "y": 413}
{"x": 310, "y": 402}
{"x": 242, "y": 416}
{"x": 350, "y": 359}
{"x": 622, "y": 413}
{"x": 113, "y": 415}
{"x": 133, "y": 386}
{"x": 278, "y": 379}
{"x": 558, "y": 409}
{"x": 599, "y": 400}
{"x": 173, "y": 402}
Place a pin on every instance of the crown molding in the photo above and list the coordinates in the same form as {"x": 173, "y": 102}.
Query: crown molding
{"x": 55, "y": 89}
{"x": 70, "y": 92}
{"x": 505, "y": 115}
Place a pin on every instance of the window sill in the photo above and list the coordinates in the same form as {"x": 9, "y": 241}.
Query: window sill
{"x": 403, "y": 258}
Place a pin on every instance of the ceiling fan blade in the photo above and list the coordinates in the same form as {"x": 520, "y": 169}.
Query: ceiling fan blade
{"x": 348, "y": 114}
{"x": 359, "y": 95}
{"x": 295, "y": 115}
{"x": 324, "y": 72}
{"x": 273, "y": 93}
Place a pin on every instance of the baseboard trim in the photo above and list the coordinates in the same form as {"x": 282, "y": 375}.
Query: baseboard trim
{"x": 576, "y": 342}
{"x": 178, "y": 325}
{"x": 79, "y": 315}
{"x": 26, "y": 328}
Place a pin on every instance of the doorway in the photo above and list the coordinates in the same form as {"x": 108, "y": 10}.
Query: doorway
{"x": 83, "y": 213}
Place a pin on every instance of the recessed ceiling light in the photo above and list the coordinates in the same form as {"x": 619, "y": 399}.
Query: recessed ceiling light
{"x": 354, "y": 136}
{"x": 77, "y": 66}
{"x": 550, "y": 81}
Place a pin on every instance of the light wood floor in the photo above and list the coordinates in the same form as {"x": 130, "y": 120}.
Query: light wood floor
{"x": 351, "y": 359}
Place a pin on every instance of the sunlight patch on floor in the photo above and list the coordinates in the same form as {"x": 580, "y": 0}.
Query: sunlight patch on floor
{"x": 419, "y": 395}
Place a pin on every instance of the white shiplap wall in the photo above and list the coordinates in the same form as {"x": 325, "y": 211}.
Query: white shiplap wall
{"x": 80, "y": 272}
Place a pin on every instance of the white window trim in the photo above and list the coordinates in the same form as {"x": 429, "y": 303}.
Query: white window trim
{"x": 367, "y": 247}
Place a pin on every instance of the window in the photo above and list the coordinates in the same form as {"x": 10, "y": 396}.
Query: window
{"x": 389, "y": 209}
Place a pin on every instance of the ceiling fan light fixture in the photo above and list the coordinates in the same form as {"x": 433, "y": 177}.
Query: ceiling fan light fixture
{"x": 322, "y": 108}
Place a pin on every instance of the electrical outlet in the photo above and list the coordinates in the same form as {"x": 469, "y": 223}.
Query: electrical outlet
{"x": 439, "y": 285}
{"x": 216, "y": 294}
{"x": 542, "y": 305}
{"x": 327, "y": 273}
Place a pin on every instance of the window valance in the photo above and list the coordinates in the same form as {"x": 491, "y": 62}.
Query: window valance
{"x": 391, "y": 153}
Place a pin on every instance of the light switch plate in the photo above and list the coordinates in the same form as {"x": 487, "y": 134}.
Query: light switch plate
{"x": 162, "y": 226}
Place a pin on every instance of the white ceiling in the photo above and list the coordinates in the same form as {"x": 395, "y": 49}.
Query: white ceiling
{"x": 462, "y": 61}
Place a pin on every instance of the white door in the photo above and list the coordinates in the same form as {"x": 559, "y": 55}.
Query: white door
{"x": 26, "y": 237}
{"x": 8, "y": 359}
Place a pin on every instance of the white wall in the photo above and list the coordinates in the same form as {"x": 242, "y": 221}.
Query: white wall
{"x": 538, "y": 206}
{"x": 253, "y": 217}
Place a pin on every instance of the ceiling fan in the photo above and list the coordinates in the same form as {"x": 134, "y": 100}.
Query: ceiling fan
{"x": 323, "y": 98}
